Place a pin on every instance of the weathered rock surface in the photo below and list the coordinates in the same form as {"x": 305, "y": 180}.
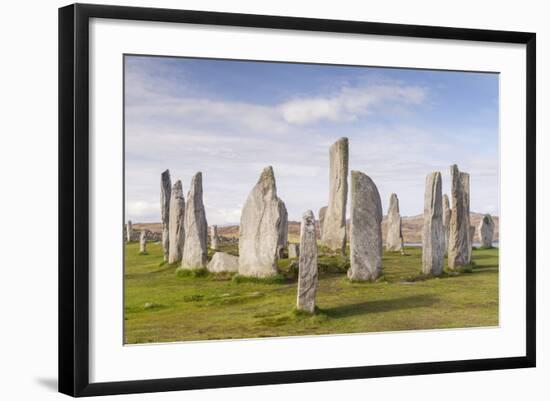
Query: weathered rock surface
{"x": 307, "y": 263}
{"x": 394, "y": 237}
{"x": 165, "y": 195}
{"x": 129, "y": 231}
{"x": 485, "y": 231}
{"x": 446, "y": 220}
{"x": 214, "y": 239}
{"x": 176, "y": 231}
{"x": 334, "y": 222}
{"x": 293, "y": 250}
{"x": 365, "y": 229}
{"x": 196, "y": 227}
{"x": 283, "y": 229}
{"x": 460, "y": 248}
{"x": 321, "y": 220}
{"x": 143, "y": 242}
{"x": 260, "y": 228}
{"x": 433, "y": 235}
{"x": 223, "y": 262}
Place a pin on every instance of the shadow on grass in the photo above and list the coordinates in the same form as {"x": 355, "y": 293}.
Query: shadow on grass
{"x": 385, "y": 305}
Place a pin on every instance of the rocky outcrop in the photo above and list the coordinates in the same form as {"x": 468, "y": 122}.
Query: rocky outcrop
{"x": 223, "y": 262}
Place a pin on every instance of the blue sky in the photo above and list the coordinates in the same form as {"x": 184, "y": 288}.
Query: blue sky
{"x": 229, "y": 119}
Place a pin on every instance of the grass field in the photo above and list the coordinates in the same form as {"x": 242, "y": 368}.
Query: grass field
{"x": 161, "y": 306}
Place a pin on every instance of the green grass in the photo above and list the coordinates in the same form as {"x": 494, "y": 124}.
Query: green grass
{"x": 161, "y": 305}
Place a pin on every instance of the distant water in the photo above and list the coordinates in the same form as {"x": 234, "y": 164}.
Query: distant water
{"x": 476, "y": 244}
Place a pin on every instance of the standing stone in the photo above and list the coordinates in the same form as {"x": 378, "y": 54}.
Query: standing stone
{"x": 260, "y": 228}
{"x": 486, "y": 231}
{"x": 365, "y": 229}
{"x": 334, "y": 222}
{"x": 446, "y": 220}
{"x": 459, "y": 232}
{"x": 176, "y": 230}
{"x": 214, "y": 239}
{"x": 283, "y": 229}
{"x": 293, "y": 250}
{"x": 433, "y": 235}
{"x": 322, "y": 213}
{"x": 196, "y": 227}
{"x": 129, "y": 231}
{"x": 394, "y": 236}
{"x": 471, "y": 236}
{"x": 143, "y": 242}
{"x": 307, "y": 275}
{"x": 165, "y": 195}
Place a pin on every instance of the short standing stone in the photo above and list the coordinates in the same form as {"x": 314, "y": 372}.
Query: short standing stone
{"x": 283, "y": 229}
{"x": 486, "y": 231}
{"x": 394, "y": 236}
{"x": 143, "y": 242}
{"x": 223, "y": 262}
{"x": 260, "y": 228}
{"x": 307, "y": 275}
{"x": 129, "y": 230}
{"x": 365, "y": 229}
{"x": 165, "y": 196}
{"x": 176, "y": 230}
{"x": 446, "y": 220}
{"x": 293, "y": 250}
{"x": 433, "y": 236}
{"x": 334, "y": 222}
{"x": 321, "y": 220}
{"x": 214, "y": 239}
{"x": 460, "y": 248}
{"x": 196, "y": 227}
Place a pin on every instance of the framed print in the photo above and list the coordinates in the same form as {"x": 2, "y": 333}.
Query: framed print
{"x": 251, "y": 199}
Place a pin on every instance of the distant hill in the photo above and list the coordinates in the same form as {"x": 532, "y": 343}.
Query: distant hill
{"x": 412, "y": 228}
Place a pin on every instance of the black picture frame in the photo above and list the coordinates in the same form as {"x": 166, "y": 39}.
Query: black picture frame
{"x": 74, "y": 198}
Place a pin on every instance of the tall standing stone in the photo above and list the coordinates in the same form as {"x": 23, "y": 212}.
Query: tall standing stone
{"x": 394, "y": 236}
{"x": 165, "y": 195}
{"x": 433, "y": 235}
{"x": 459, "y": 232}
{"x": 196, "y": 228}
{"x": 143, "y": 242}
{"x": 260, "y": 228}
{"x": 307, "y": 263}
{"x": 486, "y": 230}
{"x": 446, "y": 220}
{"x": 334, "y": 222}
{"x": 365, "y": 229}
{"x": 214, "y": 239}
{"x": 129, "y": 230}
{"x": 176, "y": 230}
{"x": 321, "y": 220}
{"x": 283, "y": 229}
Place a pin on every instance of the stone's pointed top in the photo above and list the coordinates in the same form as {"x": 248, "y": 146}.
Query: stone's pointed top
{"x": 394, "y": 204}
{"x": 446, "y": 200}
{"x": 177, "y": 187}
{"x": 166, "y": 173}
{"x": 267, "y": 174}
{"x": 341, "y": 143}
{"x": 196, "y": 182}
{"x": 487, "y": 218}
{"x": 308, "y": 215}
